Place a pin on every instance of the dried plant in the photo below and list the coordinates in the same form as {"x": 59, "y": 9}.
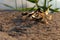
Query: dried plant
{"x": 43, "y": 11}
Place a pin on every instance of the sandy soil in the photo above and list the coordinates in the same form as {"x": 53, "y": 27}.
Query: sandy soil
{"x": 13, "y": 26}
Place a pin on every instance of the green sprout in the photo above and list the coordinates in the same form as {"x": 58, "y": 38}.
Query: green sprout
{"x": 44, "y": 7}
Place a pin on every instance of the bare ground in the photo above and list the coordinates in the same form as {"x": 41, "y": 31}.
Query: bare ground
{"x": 13, "y": 26}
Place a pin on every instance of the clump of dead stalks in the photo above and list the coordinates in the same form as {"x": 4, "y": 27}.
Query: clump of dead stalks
{"x": 42, "y": 13}
{"x": 38, "y": 16}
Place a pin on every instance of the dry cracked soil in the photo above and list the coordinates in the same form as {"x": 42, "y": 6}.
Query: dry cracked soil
{"x": 14, "y": 26}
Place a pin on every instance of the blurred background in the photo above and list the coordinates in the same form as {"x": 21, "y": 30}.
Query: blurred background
{"x": 24, "y": 4}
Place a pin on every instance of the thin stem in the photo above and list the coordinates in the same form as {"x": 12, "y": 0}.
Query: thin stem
{"x": 36, "y": 3}
{"x": 16, "y": 4}
{"x": 48, "y": 6}
{"x": 26, "y": 4}
{"x": 44, "y": 5}
{"x": 22, "y": 3}
{"x": 56, "y": 4}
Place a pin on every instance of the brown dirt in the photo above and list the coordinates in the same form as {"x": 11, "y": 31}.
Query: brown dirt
{"x": 13, "y": 26}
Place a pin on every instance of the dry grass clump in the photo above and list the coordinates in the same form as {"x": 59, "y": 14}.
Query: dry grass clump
{"x": 37, "y": 16}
